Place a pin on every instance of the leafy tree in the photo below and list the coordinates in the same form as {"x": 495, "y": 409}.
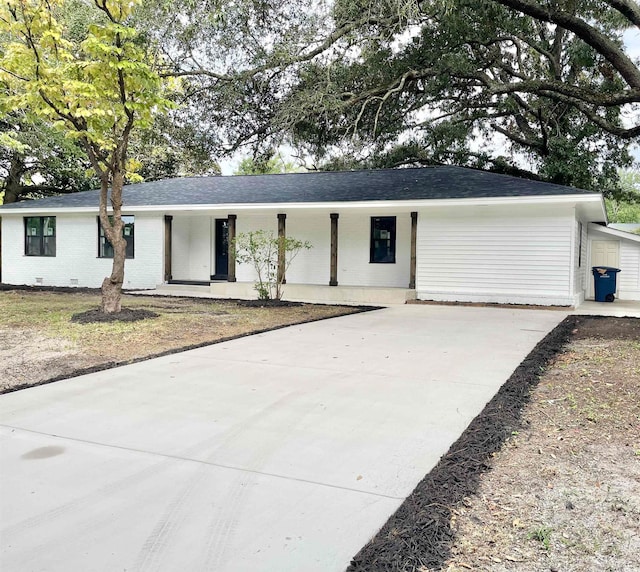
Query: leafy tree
{"x": 413, "y": 81}
{"x": 261, "y": 249}
{"x": 37, "y": 160}
{"x": 172, "y": 148}
{"x": 429, "y": 87}
{"x": 626, "y": 206}
{"x": 265, "y": 165}
{"x": 98, "y": 90}
{"x": 238, "y": 63}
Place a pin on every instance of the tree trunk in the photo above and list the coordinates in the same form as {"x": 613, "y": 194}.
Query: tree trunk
{"x": 112, "y": 285}
{"x": 12, "y": 187}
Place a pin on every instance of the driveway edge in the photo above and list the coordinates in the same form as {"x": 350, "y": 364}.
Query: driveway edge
{"x": 419, "y": 534}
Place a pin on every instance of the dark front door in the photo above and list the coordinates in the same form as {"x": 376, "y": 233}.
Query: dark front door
{"x": 222, "y": 249}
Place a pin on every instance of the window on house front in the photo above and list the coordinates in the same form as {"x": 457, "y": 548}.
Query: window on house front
{"x": 40, "y": 236}
{"x": 105, "y": 248}
{"x": 383, "y": 240}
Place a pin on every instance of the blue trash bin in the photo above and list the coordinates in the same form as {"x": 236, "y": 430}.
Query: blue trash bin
{"x": 605, "y": 283}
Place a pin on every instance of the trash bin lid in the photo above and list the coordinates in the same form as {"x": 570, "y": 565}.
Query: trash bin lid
{"x": 604, "y": 269}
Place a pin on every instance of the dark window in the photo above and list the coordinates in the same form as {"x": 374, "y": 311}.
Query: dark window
{"x": 40, "y": 236}
{"x": 383, "y": 240}
{"x": 579, "y": 244}
{"x": 105, "y": 248}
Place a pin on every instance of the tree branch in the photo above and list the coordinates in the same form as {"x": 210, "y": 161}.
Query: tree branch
{"x": 586, "y": 32}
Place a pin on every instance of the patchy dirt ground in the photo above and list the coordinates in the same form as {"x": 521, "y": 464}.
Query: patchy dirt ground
{"x": 547, "y": 478}
{"x": 39, "y": 341}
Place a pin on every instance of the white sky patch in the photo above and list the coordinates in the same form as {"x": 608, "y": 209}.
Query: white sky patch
{"x": 631, "y": 40}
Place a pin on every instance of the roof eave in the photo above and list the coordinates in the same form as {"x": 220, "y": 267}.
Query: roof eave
{"x": 614, "y": 232}
{"x": 581, "y": 198}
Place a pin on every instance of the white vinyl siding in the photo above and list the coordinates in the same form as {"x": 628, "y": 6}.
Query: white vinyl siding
{"x": 495, "y": 255}
{"x": 581, "y": 267}
{"x": 629, "y": 278}
{"x": 616, "y": 251}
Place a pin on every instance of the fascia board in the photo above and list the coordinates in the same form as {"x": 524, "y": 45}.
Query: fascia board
{"x": 615, "y": 232}
{"x": 344, "y": 205}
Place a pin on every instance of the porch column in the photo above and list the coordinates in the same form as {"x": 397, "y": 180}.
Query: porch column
{"x": 231, "y": 271}
{"x": 168, "y": 219}
{"x": 412, "y": 264}
{"x": 333, "y": 278}
{"x": 282, "y": 234}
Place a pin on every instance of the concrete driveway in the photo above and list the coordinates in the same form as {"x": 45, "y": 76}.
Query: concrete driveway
{"x": 284, "y": 451}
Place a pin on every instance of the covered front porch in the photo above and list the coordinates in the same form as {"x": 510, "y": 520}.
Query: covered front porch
{"x": 344, "y": 265}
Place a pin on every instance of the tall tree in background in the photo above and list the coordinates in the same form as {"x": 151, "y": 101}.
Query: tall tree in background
{"x": 238, "y": 61}
{"x": 625, "y": 207}
{"x": 37, "y": 160}
{"x": 98, "y": 91}
{"x": 424, "y": 85}
{"x": 269, "y": 163}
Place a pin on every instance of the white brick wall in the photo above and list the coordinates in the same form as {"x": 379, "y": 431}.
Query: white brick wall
{"x": 313, "y": 266}
{"x": 247, "y": 222}
{"x": 77, "y": 254}
{"x": 354, "y": 268}
{"x": 191, "y": 243}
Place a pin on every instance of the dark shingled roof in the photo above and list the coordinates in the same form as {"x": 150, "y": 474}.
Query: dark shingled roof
{"x": 441, "y": 182}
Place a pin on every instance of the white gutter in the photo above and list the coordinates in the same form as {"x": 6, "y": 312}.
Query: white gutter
{"x": 335, "y": 205}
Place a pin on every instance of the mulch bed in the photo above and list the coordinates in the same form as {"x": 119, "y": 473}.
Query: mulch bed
{"x": 125, "y": 315}
{"x": 268, "y": 303}
{"x": 604, "y": 328}
{"x": 419, "y": 534}
{"x": 62, "y": 289}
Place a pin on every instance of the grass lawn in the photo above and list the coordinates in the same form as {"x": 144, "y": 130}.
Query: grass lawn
{"x": 38, "y": 340}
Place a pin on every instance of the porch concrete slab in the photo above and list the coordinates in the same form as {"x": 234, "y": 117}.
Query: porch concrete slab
{"x": 618, "y": 308}
{"x": 282, "y": 451}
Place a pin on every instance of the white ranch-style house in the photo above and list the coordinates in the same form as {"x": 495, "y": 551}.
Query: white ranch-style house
{"x": 436, "y": 233}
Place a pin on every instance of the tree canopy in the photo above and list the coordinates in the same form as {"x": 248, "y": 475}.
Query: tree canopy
{"x": 438, "y": 81}
{"x": 266, "y": 164}
{"x": 37, "y": 160}
{"x": 530, "y": 87}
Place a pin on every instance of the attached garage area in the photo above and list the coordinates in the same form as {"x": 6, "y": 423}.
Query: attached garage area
{"x": 505, "y": 254}
{"x": 610, "y": 247}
